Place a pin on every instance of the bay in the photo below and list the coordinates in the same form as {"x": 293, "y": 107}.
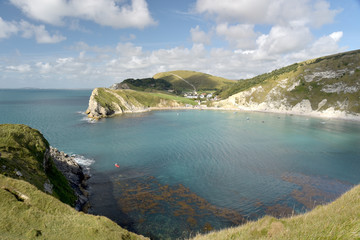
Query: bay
{"x": 183, "y": 172}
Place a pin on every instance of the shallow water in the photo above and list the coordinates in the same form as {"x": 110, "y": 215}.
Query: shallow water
{"x": 183, "y": 172}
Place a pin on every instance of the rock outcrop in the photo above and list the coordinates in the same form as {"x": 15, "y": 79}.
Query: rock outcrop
{"x": 75, "y": 175}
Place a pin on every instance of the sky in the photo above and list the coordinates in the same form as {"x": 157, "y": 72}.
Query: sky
{"x": 95, "y": 43}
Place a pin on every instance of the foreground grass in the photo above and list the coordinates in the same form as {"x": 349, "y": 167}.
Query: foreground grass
{"x": 337, "y": 220}
{"x": 28, "y": 213}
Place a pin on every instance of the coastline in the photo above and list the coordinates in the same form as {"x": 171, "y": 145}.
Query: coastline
{"x": 75, "y": 175}
{"x": 315, "y": 114}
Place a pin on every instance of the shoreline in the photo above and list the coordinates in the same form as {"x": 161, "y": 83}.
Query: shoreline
{"x": 312, "y": 114}
{"x": 75, "y": 175}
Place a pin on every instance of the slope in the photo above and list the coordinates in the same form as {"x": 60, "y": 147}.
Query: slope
{"x": 193, "y": 81}
{"x": 328, "y": 85}
{"x": 25, "y": 155}
{"x": 337, "y": 220}
{"x": 106, "y": 102}
{"x": 28, "y": 213}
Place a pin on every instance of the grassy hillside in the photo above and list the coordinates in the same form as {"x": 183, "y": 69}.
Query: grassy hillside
{"x": 337, "y": 220}
{"x": 326, "y": 82}
{"x": 28, "y": 213}
{"x": 201, "y": 81}
{"x": 245, "y": 84}
{"x": 23, "y": 151}
{"x": 144, "y": 84}
{"x": 106, "y": 102}
{"x": 137, "y": 98}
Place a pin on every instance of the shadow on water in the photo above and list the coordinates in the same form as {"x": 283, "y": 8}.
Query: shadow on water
{"x": 103, "y": 201}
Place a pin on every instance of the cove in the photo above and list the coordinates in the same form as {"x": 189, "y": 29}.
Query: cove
{"x": 183, "y": 172}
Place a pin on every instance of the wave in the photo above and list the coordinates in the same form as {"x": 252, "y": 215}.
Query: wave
{"x": 85, "y": 118}
{"x": 84, "y": 162}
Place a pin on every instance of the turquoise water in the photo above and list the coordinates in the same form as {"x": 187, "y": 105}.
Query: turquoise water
{"x": 183, "y": 172}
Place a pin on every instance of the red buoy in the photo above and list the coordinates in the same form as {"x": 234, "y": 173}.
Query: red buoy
{"x": 117, "y": 165}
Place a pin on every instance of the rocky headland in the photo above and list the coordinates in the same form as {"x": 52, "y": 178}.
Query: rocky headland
{"x": 75, "y": 175}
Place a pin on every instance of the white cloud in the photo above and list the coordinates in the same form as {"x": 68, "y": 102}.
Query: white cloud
{"x": 20, "y": 68}
{"x": 39, "y": 32}
{"x": 279, "y": 12}
{"x": 114, "y": 13}
{"x": 284, "y": 40}
{"x": 43, "y": 67}
{"x": 7, "y": 28}
{"x": 198, "y": 36}
{"x": 240, "y": 36}
{"x": 28, "y": 30}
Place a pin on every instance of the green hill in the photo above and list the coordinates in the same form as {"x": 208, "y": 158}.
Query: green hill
{"x": 190, "y": 80}
{"x": 25, "y": 155}
{"x": 28, "y": 209}
{"x": 337, "y": 220}
{"x": 328, "y": 85}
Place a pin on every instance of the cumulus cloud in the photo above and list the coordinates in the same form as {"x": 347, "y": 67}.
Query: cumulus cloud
{"x": 114, "y": 13}
{"x": 284, "y": 39}
{"x": 28, "y": 30}
{"x": 240, "y": 36}
{"x": 7, "y": 28}
{"x": 290, "y": 24}
{"x": 277, "y": 12}
{"x": 39, "y": 32}
{"x": 20, "y": 68}
{"x": 199, "y": 36}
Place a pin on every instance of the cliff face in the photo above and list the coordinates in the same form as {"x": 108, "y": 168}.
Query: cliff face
{"x": 328, "y": 86}
{"x": 108, "y": 102}
{"x": 25, "y": 154}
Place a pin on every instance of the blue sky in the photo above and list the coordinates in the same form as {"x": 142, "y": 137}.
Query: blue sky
{"x": 94, "y": 43}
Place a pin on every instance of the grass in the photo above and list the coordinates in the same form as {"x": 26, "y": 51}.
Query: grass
{"x": 107, "y": 99}
{"x": 201, "y": 81}
{"x": 242, "y": 85}
{"x": 23, "y": 150}
{"x": 337, "y": 220}
{"x": 28, "y": 213}
{"x": 346, "y": 67}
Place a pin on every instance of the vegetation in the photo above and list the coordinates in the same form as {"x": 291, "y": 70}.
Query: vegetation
{"x": 337, "y": 220}
{"x": 145, "y": 84}
{"x": 27, "y": 213}
{"x": 333, "y": 81}
{"x": 108, "y": 98}
{"x": 242, "y": 85}
{"x": 22, "y": 156}
{"x": 201, "y": 81}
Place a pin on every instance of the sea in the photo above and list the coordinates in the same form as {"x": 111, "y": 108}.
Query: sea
{"x": 174, "y": 174}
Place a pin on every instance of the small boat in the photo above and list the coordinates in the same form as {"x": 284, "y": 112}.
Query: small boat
{"x": 117, "y": 165}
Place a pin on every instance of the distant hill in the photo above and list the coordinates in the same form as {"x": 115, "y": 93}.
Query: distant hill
{"x": 190, "y": 80}
{"x": 177, "y": 82}
{"x": 328, "y": 86}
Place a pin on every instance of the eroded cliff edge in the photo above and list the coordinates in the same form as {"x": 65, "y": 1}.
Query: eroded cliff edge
{"x": 106, "y": 102}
